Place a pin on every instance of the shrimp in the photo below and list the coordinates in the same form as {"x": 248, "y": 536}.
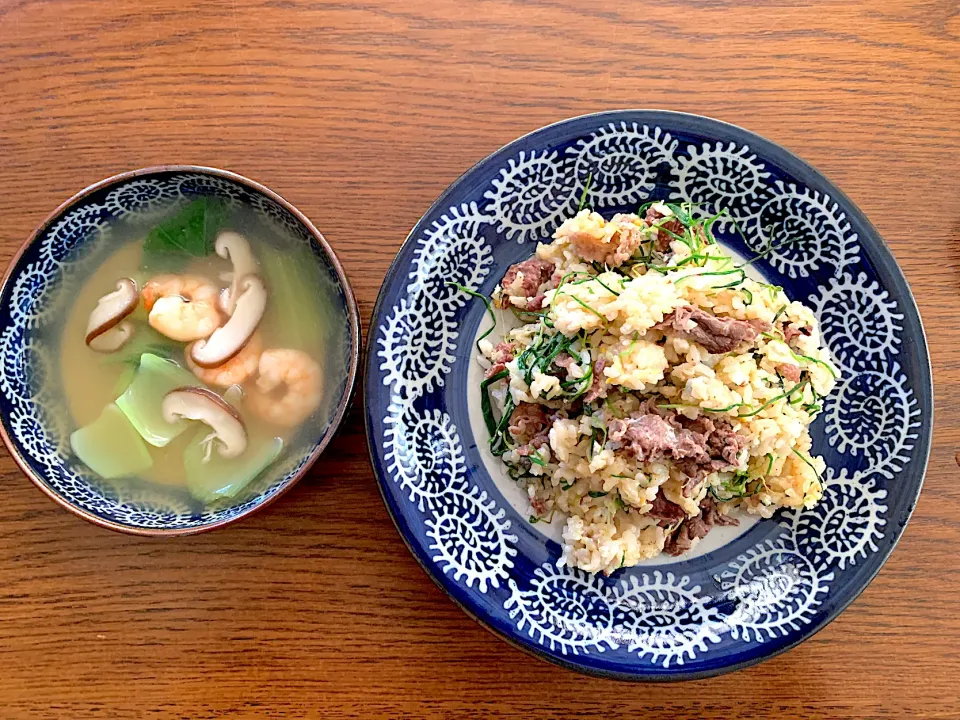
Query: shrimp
{"x": 182, "y": 307}
{"x": 234, "y": 371}
{"x": 288, "y": 388}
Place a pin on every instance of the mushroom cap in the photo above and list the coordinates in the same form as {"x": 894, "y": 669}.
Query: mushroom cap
{"x": 196, "y": 403}
{"x": 227, "y": 340}
{"x": 111, "y": 309}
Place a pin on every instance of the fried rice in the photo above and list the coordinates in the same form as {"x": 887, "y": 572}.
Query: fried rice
{"x": 649, "y": 389}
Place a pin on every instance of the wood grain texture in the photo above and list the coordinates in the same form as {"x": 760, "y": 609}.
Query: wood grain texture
{"x": 361, "y": 112}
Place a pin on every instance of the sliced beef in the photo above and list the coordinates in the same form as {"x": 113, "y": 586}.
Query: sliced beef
{"x": 694, "y": 478}
{"x": 616, "y": 429}
{"x": 529, "y": 425}
{"x": 628, "y": 239}
{"x": 651, "y": 437}
{"x": 502, "y": 354}
{"x": 723, "y": 445}
{"x": 712, "y": 515}
{"x": 789, "y": 371}
{"x": 565, "y": 361}
{"x": 524, "y": 280}
{"x": 666, "y": 512}
{"x": 715, "y": 334}
{"x": 651, "y": 406}
{"x": 535, "y": 304}
{"x": 726, "y": 443}
{"x": 702, "y": 424}
{"x": 682, "y": 539}
{"x": 697, "y": 471}
{"x": 539, "y": 506}
{"x": 790, "y": 331}
{"x": 698, "y": 447}
{"x": 696, "y": 528}
{"x": 598, "y": 388}
{"x": 664, "y": 237}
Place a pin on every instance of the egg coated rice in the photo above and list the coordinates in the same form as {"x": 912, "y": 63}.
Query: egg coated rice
{"x": 650, "y": 390}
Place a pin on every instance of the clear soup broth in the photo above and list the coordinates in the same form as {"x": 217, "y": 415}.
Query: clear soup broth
{"x": 262, "y": 355}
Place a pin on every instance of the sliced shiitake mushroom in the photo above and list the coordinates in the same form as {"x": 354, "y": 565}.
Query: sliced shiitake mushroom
{"x": 113, "y": 339}
{"x": 194, "y": 403}
{"x": 106, "y": 331}
{"x": 228, "y": 340}
{"x": 234, "y": 247}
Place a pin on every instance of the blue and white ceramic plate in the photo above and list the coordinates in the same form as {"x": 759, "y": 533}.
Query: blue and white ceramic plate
{"x": 751, "y": 594}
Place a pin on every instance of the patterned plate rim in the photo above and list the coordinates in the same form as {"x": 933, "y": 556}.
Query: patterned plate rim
{"x": 882, "y": 260}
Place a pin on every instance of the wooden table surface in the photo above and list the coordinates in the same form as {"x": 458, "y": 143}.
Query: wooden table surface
{"x": 361, "y": 112}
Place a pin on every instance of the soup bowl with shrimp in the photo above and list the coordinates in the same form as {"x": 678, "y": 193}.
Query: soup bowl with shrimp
{"x": 179, "y": 345}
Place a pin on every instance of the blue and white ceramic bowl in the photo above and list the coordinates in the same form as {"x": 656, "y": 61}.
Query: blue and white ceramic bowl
{"x": 749, "y": 595}
{"x": 44, "y": 277}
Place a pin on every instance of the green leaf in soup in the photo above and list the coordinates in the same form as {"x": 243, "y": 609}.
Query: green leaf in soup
{"x": 110, "y": 446}
{"x": 220, "y": 478}
{"x": 126, "y": 377}
{"x": 146, "y": 340}
{"x": 141, "y": 401}
{"x": 293, "y": 283}
{"x": 189, "y": 233}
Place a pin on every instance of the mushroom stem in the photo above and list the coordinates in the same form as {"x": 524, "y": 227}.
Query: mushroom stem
{"x": 228, "y": 340}
{"x": 113, "y": 339}
{"x": 193, "y": 403}
{"x": 234, "y": 247}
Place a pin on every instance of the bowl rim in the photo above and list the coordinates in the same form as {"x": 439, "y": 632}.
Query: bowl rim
{"x": 889, "y": 264}
{"x": 353, "y": 316}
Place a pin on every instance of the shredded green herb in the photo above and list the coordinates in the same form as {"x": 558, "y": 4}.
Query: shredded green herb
{"x": 613, "y": 411}
{"x": 780, "y": 312}
{"x": 500, "y": 440}
{"x": 810, "y": 464}
{"x": 486, "y": 406}
{"x": 815, "y": 360}
{"x": 787, "y": 394}
{"x": 486, "y": 302}
{"x": 591, "y": 278}
{"x": 743, "y": 276}
{"x": 733, "y": 489}
{"x": 728, "y": 408}
{"x": 770, "y": 248}
{"x": 584, "y": 305}
{"x": 633, "y": 343}
{"x": 586, "y": 189}
{"x": 771, "y": 401}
